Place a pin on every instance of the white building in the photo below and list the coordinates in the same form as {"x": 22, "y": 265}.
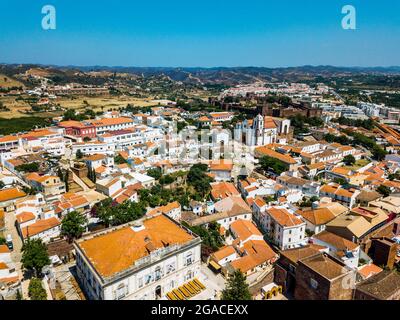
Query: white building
{"x": 284, "y": 229}
{"x": 261, "y": 131}
{"x": 340, "y": 248}
{"x": 144, "y": 179}
{"x": 44, "y": 229}
{"x": 227, "y": 211}
{"x": 93, "y": 147}
{"x": 145, "y": 260}
{"x": 111, "y": 124}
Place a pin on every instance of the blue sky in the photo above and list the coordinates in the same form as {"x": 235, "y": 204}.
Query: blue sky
{"x": 205, "y": 33}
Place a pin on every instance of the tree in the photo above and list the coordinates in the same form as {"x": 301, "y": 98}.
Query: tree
{"x": 167, "y": 179}
{"x": 34, "y": 255}
{"x": 349, "y": 160}
{"x": 119, "y": 159}
{"x": 383, "y": 190}
{"x": 112, "y": 214}
{"x": 92, "y": 175}
{"x": 28, "y": 190}
{"x": 66, "y": 179}
{"x": 154, "y": 173}
{"x": 199, "y": 180}
{"x": 394, "y": 176}
{"x": 181, "y": 125}
{"x": 378, "y": 153}
{"x": 210, "y": 236}
{"x": 79, "y": 154}
{"x": 103, "y": 211}
{"x": 60, "y": 174}
{"x": 36, "y": 290}
{"x": 28, "y": 167}
{"x": 236, "y": 288}
{"x": 277, "y": 166}
{"x": 70, "y": 115}
{"x": 73, "y": 225}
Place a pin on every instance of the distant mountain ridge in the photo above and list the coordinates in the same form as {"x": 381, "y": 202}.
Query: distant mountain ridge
{"x": 214, "y": 75}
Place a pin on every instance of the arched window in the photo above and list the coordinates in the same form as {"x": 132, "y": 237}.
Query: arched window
{"x": 158, "y": 292}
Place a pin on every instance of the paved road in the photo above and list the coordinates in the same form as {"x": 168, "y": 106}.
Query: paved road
{"x": 17, "y": 242}
{"x": 214, "y": 284}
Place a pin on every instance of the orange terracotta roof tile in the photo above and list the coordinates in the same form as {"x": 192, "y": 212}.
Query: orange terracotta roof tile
{"x": 260, "y": 202}
{"x": 25, "y": 216}
{"x": 110, "y": 121}
{"x": 369, "y": 270}
{"x": 223, "y": 190}
{"x": 40, "y": 226}
{"x": 11, "y": 194}
{"x": 258, "y": 252}
{"x": 122, "y": 247}
{"x": 336, "y": 241}
{"x": 244, "y": 229}
{"x": 223, "y": 253}
{"x": 95, "y": 157}
{"x": 221, "y": 165}
{"x": 6, "y": 139}
{"x": 276, "y": 155}
{"x": 283, "y": 217}
{"x": 100, "y": 169}
{"x": 319, "y": 216}
{"x": 4, "y": 249}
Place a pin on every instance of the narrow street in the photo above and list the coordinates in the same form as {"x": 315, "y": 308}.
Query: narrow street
{"x": 17, "y": 242}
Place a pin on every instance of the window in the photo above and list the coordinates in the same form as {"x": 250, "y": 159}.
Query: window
{"x": 189, "y": 259}
{"x": 140, "y": 282}
{"x": 189, "y": 275}
{"x": 121, "y": 291}
{"x": 158, "y": 274}
{"x": 290, "y": 239}
{"x": 148, "y": 278}
{"x": 170, "y": 267}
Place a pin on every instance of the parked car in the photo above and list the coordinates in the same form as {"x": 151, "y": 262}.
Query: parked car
{"x": 9, "y": 242}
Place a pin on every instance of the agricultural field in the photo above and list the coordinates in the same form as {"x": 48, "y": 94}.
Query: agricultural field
{"x": 105, "y": 103}
{"x": 7, "y": 82}
{"x": 18, "y": 108}
{"x": 15, "y": 108}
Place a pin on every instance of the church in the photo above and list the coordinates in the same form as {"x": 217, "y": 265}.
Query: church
{"x": 262, "y": 130}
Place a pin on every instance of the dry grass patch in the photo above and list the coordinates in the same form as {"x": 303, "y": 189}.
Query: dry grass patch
{"x": 7, "y": 82}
